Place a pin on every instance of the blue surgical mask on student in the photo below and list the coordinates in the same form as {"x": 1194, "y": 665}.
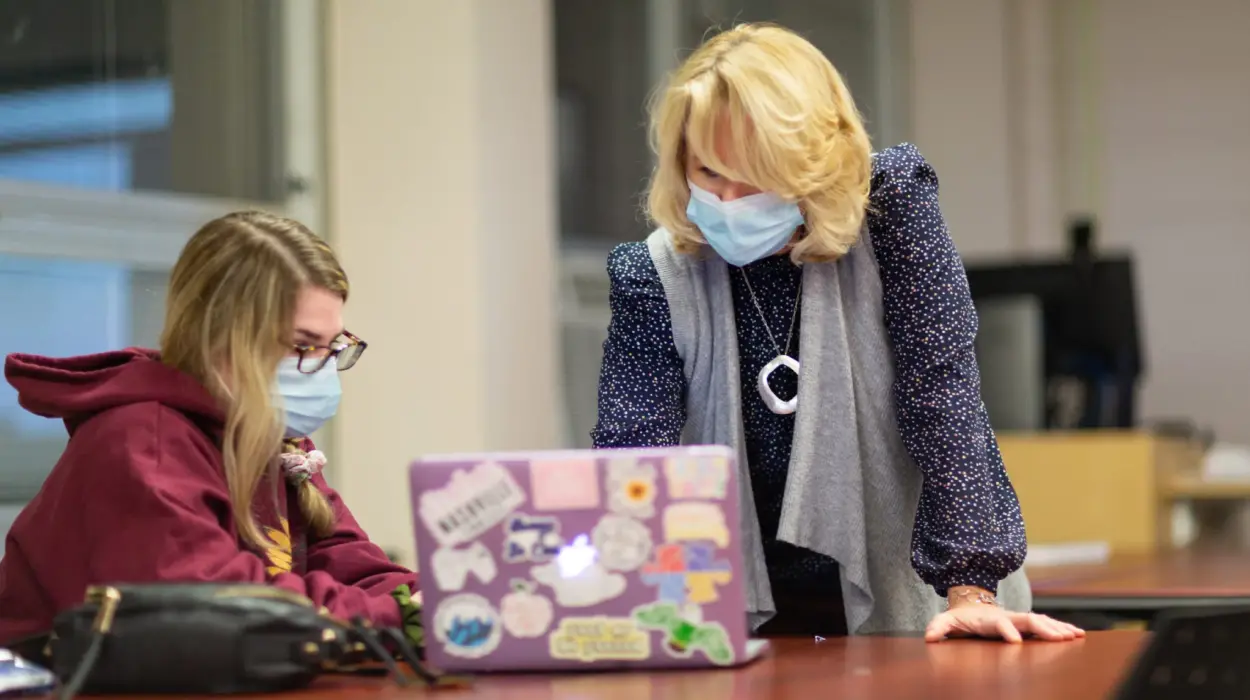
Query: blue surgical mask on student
{"x": 309, "y": 399}
{"x": 746, "y": 229}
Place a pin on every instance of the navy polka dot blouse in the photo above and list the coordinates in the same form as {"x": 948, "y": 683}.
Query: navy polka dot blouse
{"x": 968, "y": 529}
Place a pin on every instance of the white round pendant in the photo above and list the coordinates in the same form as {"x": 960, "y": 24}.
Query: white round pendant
{"x": 771, "y": 400}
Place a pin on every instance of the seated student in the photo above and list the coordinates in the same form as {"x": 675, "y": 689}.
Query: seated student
{"x": 193, "y": 464}
{"x": 872, "y": 478}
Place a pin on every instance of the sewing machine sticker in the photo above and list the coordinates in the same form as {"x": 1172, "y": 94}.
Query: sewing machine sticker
{"x": 467, "y": 626}
{"x": 685, "y": 632}
{"x": 631, "y": 488}
{"x": 687, "y": 572}
{"x": 694, "y": 476}
{"x": 577, "y": 576}
{"x": 621, "y": 543}
{"x": 696, "y": 521}
{"x": 564, "y": 484}
{"x": 529, "y": 538}
{"x": 452, "y": 566}
{"x": 526, "y": 613}
{"x": 599, "y": 638}
{"x": 473, "y": 501}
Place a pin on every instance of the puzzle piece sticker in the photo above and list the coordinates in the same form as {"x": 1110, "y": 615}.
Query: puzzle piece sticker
{"x": 687, "y": 572}
{"x": 622, "y": 544}
{"x": 701, "y": 587}
{"x": 452, "y": 566}
{"x": 525, "y": 613}
{"x": 471, "y": 503}
{"x": 631, "y": 488}
{"x": 531, "y": 538}
{"x": 577, "y": 578}
{"x": 696, "y": 521}
{"x": 685, "y": 632}
{"x": 598, "y": 638}
{"x": 694, "y": 476}
{"x": 467, "y": 626}
{"x": 567, "y": 484}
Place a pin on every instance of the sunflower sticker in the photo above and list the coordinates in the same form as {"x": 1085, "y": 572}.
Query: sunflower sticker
{"x": 631, "y": 488}
{"x": 279, "y": 553}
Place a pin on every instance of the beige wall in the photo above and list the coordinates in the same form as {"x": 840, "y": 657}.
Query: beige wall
{"x": 960, "y": 116}
{"x": 1176, "y": 118}
{"x": 441, "y": 202}
{"x": 1136, "y": 110}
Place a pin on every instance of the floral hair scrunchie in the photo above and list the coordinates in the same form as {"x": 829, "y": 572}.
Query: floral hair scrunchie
{"x": 299, "y": 467}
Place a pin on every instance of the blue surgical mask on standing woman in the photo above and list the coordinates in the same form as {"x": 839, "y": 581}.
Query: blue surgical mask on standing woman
{"x": 309, "y": 399}
{"x": 746, "y": 229}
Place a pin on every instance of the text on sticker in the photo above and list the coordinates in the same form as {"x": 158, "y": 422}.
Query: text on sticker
{"x": 594, "y": 638}
{"x": 473, "y": 502}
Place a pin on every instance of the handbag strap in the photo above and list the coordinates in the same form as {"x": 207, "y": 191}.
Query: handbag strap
{"x": 100, "y": 629}
{"x": 375, "y": 639}
{"x": 71, "y": 687}
{"x": 369, "y": 637}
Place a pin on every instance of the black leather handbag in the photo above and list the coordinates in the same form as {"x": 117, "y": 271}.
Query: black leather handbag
{"x": 214, "y": 638}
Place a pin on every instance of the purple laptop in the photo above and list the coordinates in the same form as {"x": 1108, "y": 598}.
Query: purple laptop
{"x": 600, "y": 560}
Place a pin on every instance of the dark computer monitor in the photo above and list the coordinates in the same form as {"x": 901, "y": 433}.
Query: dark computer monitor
{"x": 1090, "y": 333}
{"x": 1198, "y": 655}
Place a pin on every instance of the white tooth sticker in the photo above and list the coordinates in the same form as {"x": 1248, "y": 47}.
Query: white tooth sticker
{"x": 631, "y": 488}
{"x": 531, "y": 538}
{"x": 622, "y": 544}
{"x": 452, "y": 566}
{"x": 577, "y": 578}
{"x": 694, "y": 476}
{"x": 473, "y": 501}
{"x": 525, "y": 613}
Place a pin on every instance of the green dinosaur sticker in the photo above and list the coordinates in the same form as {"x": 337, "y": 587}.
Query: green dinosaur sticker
{"x": 684, "y": 635}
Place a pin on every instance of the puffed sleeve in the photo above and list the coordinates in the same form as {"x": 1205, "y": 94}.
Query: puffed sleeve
{"x": 968, "y": 528}
{"x": 642, "y": 385}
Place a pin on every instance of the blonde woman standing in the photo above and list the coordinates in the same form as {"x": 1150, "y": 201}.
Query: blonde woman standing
{"x": 803, "y": 303}
{"x": 193, "y": 464}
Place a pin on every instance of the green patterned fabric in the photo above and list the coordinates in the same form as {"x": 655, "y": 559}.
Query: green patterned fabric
{"x": 410, "y": 614}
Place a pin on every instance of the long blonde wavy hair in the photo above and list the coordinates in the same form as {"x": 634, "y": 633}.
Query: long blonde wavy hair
{"x": 792, "y": 122}
{"x": 228, "y": 322}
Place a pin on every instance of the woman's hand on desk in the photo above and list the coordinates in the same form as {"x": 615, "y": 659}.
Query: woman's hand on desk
{"x": 977, "y": 615}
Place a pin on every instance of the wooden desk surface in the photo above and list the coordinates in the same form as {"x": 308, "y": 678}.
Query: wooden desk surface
{"x": 1178, "y": 575}
{"x": 862, "y": 667}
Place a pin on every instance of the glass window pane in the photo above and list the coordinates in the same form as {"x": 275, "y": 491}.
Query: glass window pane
{"x": 64, "y": 307}
{"x": 126, "y": 95}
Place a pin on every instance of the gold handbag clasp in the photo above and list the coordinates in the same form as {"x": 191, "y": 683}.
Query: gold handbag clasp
{"x": 107, "y": 598}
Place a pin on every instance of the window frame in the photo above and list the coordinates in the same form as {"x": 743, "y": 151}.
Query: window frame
{"x": 147, "y": 229}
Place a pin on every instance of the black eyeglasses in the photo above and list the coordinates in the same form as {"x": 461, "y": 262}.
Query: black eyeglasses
{"x": 313, "y": 358}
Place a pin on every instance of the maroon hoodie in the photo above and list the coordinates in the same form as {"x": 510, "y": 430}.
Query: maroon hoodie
{"x": 139, "y": 495}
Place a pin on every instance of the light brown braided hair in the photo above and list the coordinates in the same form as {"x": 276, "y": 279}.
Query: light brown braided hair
{"x": 228, "y": 319}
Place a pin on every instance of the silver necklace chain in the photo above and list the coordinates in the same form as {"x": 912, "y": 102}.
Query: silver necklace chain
{"x": 794, "y": 316}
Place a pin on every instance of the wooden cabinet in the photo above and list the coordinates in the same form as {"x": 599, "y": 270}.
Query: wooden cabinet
{"x": 1112, "y": 486}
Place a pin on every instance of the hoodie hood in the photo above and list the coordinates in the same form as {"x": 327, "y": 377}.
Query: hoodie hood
{"x": 77, "y": 388}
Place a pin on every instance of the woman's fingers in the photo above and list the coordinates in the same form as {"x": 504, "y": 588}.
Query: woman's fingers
{"x": 1046, "y": 628}
{"x": 1007, "y": 630}
{"x": 938, "y": 629}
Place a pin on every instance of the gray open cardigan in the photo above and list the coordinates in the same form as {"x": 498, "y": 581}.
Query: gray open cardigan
{"x": 852, "y": 489}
